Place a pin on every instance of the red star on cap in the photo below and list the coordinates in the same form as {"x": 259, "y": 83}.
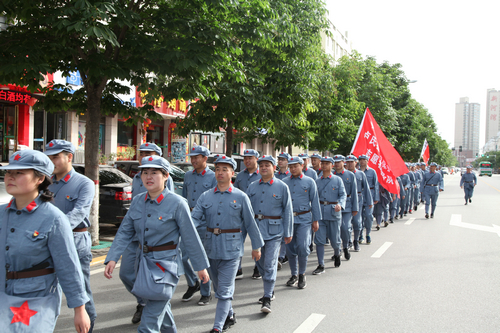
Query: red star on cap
{"x": 51, "y": 144}
{"x": 151, "y": 158}
{"x": 17, "y": 157}
{"x": 223, "y": 157}
{"x": 193, "y": 148}
{"x": 22, "y": 314}
{"x": 147, "y": 144}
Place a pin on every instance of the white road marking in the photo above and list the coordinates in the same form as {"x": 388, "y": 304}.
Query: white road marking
{"x": 382, "y": 250}
{"x": 456, "y": 220}
{"x": 310, "y": 323}
{"x": 409, "y": 221}
{"x": 100, "y": 270}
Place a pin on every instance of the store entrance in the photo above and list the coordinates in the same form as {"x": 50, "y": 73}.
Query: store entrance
{"x": 8, "y": 130}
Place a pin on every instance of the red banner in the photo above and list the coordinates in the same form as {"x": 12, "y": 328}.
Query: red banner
{"x": 425, "y": 152}
{"x": 382, "y": 157}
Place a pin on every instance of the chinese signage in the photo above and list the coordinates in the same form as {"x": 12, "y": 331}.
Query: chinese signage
{"x": 14, "y": 97}
{"x": 382, "y": 157}
{"x": 173, "y": 107}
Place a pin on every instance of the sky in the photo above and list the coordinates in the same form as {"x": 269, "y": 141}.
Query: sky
{"x": 452, "y": 48}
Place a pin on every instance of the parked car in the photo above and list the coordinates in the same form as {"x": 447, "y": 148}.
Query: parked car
{"x": 130, "y": 168}
{"x": 445, "y": 170}
{"x": 115, "y": 193}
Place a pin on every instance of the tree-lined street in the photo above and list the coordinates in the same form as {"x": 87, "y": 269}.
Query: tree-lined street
{"x": 417, "y": 275}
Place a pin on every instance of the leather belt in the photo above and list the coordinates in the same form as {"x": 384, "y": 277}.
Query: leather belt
{"x": 431, "y": 185}
{"x": 371, "y": 188}
{"x": 80, "y": 229}
{"x": 468, "y": 182}
{"x": 328, "y": 202}
{"x": 164, "y": 247}
{"x": 218, "y": 231}
{"x": 300, "y": 213}
{"x": 262, "y": 217}
{"x": 360, "y": 192}
{"x": 29, "y": 274}
{"x": 348, "y": 195}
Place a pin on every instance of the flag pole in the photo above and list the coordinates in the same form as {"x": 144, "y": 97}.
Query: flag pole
{"x": 359, "y": 131}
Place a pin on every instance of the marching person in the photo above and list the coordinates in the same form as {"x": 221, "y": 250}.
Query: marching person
{"x": 307, "y": 213}
{"x": 394, "y": 205}
{"x": 316, "y": 163}
{"x": 37, "y": 251}
{"x": 73, "y": 195}
{"x": 351, "y": 207}
{"x": 332, "y": 199}
{"x": 243, "y": 180}
{"x": 225, "y": 211}
{"x": 272, "y": 205}
{"x": 416, "y": 192}
{"x": 367, "y": 211}
{"x": 382, "y": 207}
{"x": 158, "y": 217}
{"x": 306, "y": 170}
{"x": 283, "y": 173}
{"x": 196, "y": 182}
{"x": 432, "y": 183}
{"x": 405, "y": 179}
{"x": 364, "y": 196}
{"x": 468, "y": 182}
{"x": 127, "y": 269}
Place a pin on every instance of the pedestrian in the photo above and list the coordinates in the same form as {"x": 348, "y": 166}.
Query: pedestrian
{"x": 351, "y": 207}
{"x": 332, "y": 199}
{"x": 397, "y": 198}
{"x": 243, "y": 180}
{"x": 411, "y": 188}
{"x": 468, "y": 182}
{"x": 432, "y": 184}
{"x": 158, "y": 217}
{"x": 128, "y": 265}
{"x": 418, "y": 178}
{"x": 73, "y": 195}
{"x": 226, "y": 210}
{"x": 196, "y": 182}
{"x": 306, "y": 170}
{"x": 272, "y": 205}
{"x": 367, "y": 211}
{"x": 405, "y": 180}
{"x": 364, "y": 196}
{"x": 382, "y": 207}
{"x": 316, "y": 163}
{"x": 283, "y": 173}
{"x": 306, "y": 214}
{"x": 37, "y": 251}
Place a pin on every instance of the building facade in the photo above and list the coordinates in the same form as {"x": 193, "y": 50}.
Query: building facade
{"x": 467, "y": 128}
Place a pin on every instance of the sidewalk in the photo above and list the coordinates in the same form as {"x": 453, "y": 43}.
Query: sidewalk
{"x": 100, "y": 251}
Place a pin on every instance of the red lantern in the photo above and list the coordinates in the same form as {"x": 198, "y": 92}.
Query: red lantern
{"x": 147, "y": 121}
{"x": 172, "y": 125}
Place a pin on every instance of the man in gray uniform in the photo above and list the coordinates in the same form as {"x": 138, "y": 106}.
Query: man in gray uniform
{"x": 306, "y": 170}
{"x": 73, "y": 195}
{"x": 468, "y": 182}
{"x": 432, "y": 184}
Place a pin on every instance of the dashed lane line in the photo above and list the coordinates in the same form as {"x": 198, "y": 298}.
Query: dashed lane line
{"x": 409, "y": 221}
{"x": 382, "y": 250}
{"x": 310, "y": 323}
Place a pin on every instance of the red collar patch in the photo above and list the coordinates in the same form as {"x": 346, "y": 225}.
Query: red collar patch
{"x": 160, "y": 198}
{"x": 30, "y": 207}
{"x": 204, "y": 172}
{"x": 10, "y": 203}
{"x": 146, "y": 197}
{"x": 68, "y": 176}
{"x": 257, "y": 172}
{"x": 230, "y": 189}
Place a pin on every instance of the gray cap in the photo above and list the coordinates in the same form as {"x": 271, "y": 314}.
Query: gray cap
{"x": 295, "y": 160}
{"x": 56, "y": 146}
{"x": 227, "y": 160}
{"x": 30, "y": 159}
{"x": 269, "y": 158}
{"x": 199, "y": 150}
{"x": 149, "y": 146}
{"x": 156, "y": 162}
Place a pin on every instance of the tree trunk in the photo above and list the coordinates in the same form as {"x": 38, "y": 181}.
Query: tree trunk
{"x": 290, "y": 150}
{"x": 93, "y": 116}
{"x": 229, "y": 138}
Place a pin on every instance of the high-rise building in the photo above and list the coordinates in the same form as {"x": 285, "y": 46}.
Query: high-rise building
{"x": 467, "y": 128}
{"x": 492, "y": 114}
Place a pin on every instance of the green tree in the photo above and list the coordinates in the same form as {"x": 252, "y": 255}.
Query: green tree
{"x": 148, "y": 43}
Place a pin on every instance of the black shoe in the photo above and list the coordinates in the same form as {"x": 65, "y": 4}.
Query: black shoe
{"x": 266, "y": 305}
{"x": 356, "y": 246}
{"x": 401, "y": 216}
{"x": 239, "y": 274}
{"x": 311, "y": 247}
{"x": 466, "y": 202}
{"x": 205, "y": 300}
{"x": 426, "y": 216}
{"x": 405, "y": 213}
{"x": 396, "y": 217}
{"x": 347, "y": 255}
{"x": 386, "y": 224}
{"x": 415, "y": 208}
{"x": 285, "y": 260}
{"x": 229, "y": 322}
{"x": 292, "y": 281}
{"x": 378, "y": 227}
{"x": 336, "y": 260}
{"x": 391, "y": 221}
{"x": 368, "y": 240}
{"x": 350, "y": 245}
{"x": 319, "y": 270}
{"x": 470, "y": 200}
{"x": 190, "y": 292}
{"x": 302, "y": 281}
{"x": 256, "y": 274}
{"x": 136, "y": 318}
{"x": 280, "y": 264}
{"x": 262, "y": 298}
{"x": 432, "y": 216}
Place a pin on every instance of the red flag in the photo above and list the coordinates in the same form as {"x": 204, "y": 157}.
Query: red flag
{"x": 382, "y": 157}
{"x": 425, "y": 152}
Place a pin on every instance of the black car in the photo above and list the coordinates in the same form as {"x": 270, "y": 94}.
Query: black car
{"x": 115, "y": 193}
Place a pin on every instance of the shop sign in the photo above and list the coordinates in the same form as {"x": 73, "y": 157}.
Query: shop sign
{"x": 173, "y": 107}
{"x": 14, "y": 97}
{"x": 74, "y": 79}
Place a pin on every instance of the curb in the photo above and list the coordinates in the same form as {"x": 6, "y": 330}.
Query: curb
{"x": 98, "y": 260}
